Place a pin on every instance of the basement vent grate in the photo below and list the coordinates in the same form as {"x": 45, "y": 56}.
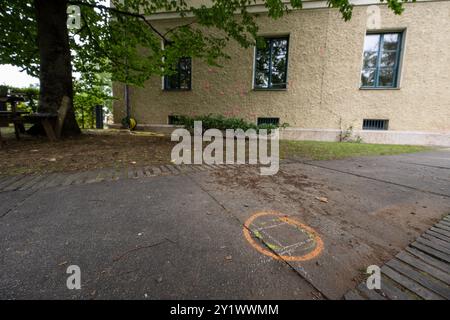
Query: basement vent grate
{"x": 272, "y": 121}
{"x": 375, "y": 124}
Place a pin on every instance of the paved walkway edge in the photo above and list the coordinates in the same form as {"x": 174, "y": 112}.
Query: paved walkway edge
{"x": 420, "y": 272}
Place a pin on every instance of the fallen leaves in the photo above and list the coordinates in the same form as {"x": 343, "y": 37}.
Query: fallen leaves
{"x": 322, "y": 199}
{"x": 89, "y": 151}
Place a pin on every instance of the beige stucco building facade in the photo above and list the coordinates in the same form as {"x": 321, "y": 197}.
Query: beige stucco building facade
{"x": 324, "y": 93}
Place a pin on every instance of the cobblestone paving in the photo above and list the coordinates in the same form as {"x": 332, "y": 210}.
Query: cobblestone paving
{"x": 36, "y": 182}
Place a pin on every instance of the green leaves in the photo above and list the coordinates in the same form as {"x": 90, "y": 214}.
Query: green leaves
{"x": 397, "y": 5}
{"x": 88, "y": 94}
{"x": 220, "y": 122}
{"x": 127, "y": 43}
{"x": 344, "y": 6}
{"x": 18, "y": 45}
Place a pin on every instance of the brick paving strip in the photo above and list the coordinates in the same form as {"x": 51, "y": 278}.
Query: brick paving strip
{"x": 421, "y": 271}
{"x": 37, "y": 181}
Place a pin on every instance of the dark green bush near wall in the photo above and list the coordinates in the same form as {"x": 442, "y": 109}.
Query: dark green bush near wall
{"x": 220, "y": 122}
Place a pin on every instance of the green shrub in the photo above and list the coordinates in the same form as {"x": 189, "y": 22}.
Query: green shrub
{"x": 220, "y": 122}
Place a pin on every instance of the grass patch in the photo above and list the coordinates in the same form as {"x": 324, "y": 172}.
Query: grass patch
{"x": 317, "y": 150}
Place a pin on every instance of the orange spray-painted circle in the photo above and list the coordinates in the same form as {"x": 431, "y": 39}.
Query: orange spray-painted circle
{"x": 311, "y": 255}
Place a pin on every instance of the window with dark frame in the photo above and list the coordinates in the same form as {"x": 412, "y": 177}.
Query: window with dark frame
{"x": 182, "y": 79}
{"x": 375, "y": 124}
{"x": 271, "y": 64}
{"x": 381, "y": 60}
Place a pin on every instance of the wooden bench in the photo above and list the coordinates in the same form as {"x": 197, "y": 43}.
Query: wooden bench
{"x": 7, "y": 117}
{"x": 47, "y": 120}
{"x": 51, "y": 122}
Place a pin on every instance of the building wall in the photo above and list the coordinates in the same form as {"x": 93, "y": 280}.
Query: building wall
{"x": 325, "y": 60}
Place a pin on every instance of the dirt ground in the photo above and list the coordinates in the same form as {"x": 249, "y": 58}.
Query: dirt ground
{"x": 366, "y": 210}
{"x": 92, "y": 150}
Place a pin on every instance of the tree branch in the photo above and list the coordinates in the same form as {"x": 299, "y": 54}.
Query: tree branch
{"x": 119, "y": 12}
{"x": 178, "y": 27}
{"x": 97, "y": 44}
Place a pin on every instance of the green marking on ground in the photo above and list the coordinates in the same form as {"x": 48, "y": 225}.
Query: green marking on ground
{"x": 273, "y": 247}
{"x": 257, "y": 234}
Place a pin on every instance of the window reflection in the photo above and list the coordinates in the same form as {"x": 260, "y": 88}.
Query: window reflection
{"x": 271, "y": 64}
{"x": 181, "y": 80}
{"x": 381, "y": 60}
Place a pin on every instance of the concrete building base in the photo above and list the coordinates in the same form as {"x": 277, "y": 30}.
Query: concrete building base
{"x": 371, "y": 136}
{"x": 367, "y": 136}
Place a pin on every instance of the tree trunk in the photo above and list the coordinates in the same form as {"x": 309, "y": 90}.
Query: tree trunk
{"x": 55, "y": 65}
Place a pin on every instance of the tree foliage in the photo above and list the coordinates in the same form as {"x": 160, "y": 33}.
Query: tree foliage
{"x": 88, "y": 94}
{"x": 91, "y": 93}
{"x": 18, "y": 45}
{"x": 122, "y": 40}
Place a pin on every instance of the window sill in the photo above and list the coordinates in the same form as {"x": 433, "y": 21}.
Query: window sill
{"x": 270, "y": 89}
{"x": 176, "y": 90}
{"x": 379, "y": 88}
